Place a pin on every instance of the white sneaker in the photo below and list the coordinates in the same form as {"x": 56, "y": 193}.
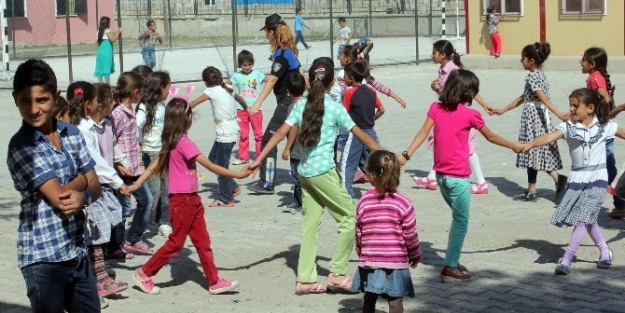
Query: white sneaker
{"x": 165, "y": 230}
{"x": 239, "y": 162}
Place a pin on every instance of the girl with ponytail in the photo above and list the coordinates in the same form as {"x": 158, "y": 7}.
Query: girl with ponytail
{"x": 319, "y": 118}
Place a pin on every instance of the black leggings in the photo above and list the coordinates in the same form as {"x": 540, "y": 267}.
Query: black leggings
{"x": 532, "y": 174}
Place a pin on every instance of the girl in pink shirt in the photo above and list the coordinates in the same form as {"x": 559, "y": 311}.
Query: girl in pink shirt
{"x": 453, "y": 120}
{"x": 387, "y": 242}
{"x": 177, "y": 160}
{"x": 443, "y": 53}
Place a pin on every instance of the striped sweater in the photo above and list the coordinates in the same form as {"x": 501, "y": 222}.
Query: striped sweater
{"x": 386, "y": 231}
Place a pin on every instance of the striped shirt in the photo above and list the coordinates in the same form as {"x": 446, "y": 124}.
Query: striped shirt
{"x": 125, "y": 129}
{"x": 386, "y": 231}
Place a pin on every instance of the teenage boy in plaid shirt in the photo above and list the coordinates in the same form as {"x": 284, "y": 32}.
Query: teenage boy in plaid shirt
{"x": 53, "y": 172}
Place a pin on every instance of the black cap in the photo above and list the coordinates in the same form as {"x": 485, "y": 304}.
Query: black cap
{"x": 273, "y": 20}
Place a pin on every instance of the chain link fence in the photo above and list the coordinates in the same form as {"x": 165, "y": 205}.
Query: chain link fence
{"x": 197, "y": 33}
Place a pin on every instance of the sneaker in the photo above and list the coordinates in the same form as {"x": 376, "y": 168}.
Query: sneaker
{"x": 239, "y": 162}
{"x": 222, "y": 286}
{"x": 617, "y": 213}
{"x": 561, "y": 187}
{"x": 562, "y": 269}
{"x": 449, "y": 274}
{"x": 146, "y": 284}
{"x": 292, "y": 208}
{"x": 260, "y": 188}
{"x": 138, "y": 247}
{"x": 526, "y": 196}
{"x": 103, "y": 303}
{"x": 481, "y": 189}
{"x": 605, "y": 264}
{"x": 165, "y": 230}
{"x": 426, "y": 182}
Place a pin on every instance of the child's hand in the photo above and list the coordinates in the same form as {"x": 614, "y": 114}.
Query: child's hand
{"x": 527, "y": 147}
{"x": 123, "y": 171}
{"x": 518, "y": 147}
{"x": 254, "y": 167}
{"x": 499, "y": 111}
{"x": 490, "y": 110}
{"x": 253, "y": 109}
{"x": 245, "y": 172}
{"x": 286, "y": 154}
{"x": 414, "y": 264}
{"x": 566, "y": 116}
{"x": 436, "y": 85}
{"x": 72, "y": 202}
{"x": 400, "y": 158}
{"x": 132, "y": 188}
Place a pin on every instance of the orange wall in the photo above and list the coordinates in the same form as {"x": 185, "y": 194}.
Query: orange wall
{"x": 568, "y": 35}
{"x": 42, "y": 27}
{"x": 571, "y": 35}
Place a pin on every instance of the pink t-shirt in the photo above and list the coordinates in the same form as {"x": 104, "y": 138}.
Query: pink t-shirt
{"x": 451, "y": 138}
{"x": 182, "y": 173}
{"x": 595, "y": 81}
{"x": 443, "y": 74}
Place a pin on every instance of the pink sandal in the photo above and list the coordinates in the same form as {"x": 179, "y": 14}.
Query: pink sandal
{"x": 344, "y": 286}
{"x": 315, "y": 288}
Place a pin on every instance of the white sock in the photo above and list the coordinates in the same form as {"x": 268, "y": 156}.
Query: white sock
{"x": 100, "y": 79}
{"x": 432, "y": 174}
{"x": 107, "y": 80}
{"x": 476, "y": 168}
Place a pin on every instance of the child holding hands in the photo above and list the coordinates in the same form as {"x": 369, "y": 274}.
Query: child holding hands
{"x": 453, "y": 120}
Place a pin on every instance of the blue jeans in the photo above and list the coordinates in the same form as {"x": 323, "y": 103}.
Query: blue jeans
{"x": 300, "y": 37}
{"x": 149, "y": 57}
{"x": 160, "y": 194}
{"x": 220, "y": 155}
{"x": 457, "y": 194}
{"x": 62, "y": 286}
{"x": 619, "y": 203}
{"x": 297, "y": 189}
{"x": 142, "y": 212}
{"x": 354, "y": 156}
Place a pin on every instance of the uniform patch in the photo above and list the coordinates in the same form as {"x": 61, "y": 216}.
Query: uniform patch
{"x": 276, "y": 67}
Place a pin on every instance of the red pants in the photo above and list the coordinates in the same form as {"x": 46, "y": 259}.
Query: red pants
{"x": 187, "y": 218}
{"x": 245, "y": 120}
{"x": 495, "y": 45}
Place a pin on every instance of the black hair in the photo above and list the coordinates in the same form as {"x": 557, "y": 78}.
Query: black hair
{"x": 245, "y": 56}
{"x": 61, "y": 107}
{"x": 143, "y": 70}
{"x": 151, "y": 96}
{"x": 324, "y": 59}
{"x": 178, "y": 119}
{"x": 127, "y": 83}
{"x": 150, "y": 22}
{"x": 105, "y": 23}
{"x": 461, "y": 87}
{"x": 352, "y": 51}
{"x": 297, "y": 10}
{"x": 447, "y": 48}
{"x": 599, "y": 57}
{"x": 35, "y": 72}
{"x": 212, "y": 77}
{"x": 490, "y": 9}
{"x": 77, "y": 94}
{"x": 104, "y": 93}
{"x": 589, "y": 96}
{"x": 321, "y": 77}
{"x": 341, "y": 19}
{"x": 539, "y": 52}
{"x": 385, "y": 170}
{"x": 295, "y": 84}
{"x": 356, "y": 70}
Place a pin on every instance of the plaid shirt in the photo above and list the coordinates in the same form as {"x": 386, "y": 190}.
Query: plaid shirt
{"x": 125, "y": 129}
{"x": 44, "y": 234}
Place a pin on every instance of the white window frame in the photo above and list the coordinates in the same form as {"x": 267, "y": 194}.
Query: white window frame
{"x": 25, "y": 10}
{"x": 486, "y": 3}
{"x": 584, "y": 7}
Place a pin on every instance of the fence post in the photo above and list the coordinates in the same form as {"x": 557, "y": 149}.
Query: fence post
{"x": 430, "y": 19}
{"x": 120, "y": 40}
{"x": 5, "y": 40}
{"x": 68, "y": 33}
{"x": 416, "y": 31}
{"x": 331, "y": 30}
{"x": 149, "y": 7}
{"x": 169, "y": 21}
{"x": 370, "y": 31}
{"x": 13, "y": 28}
{"x": 234, "y": 36}
{"x": 443, "y": 26}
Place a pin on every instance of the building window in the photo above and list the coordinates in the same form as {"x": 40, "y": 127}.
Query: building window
{"x": 76, "y": 7}
{"x": 16, "y": 8}
{"x": 504, "y": 7}
{"x": 597, "y": 7}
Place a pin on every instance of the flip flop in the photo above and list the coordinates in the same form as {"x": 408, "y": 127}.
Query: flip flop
{"x": 119, "y": 255}
{"x": 315, "y": 288}
{"x": 344, "y": 286}
{"x": 221, "y": 204}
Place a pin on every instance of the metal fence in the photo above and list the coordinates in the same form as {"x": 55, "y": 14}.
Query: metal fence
{"x": 402, "y": 30}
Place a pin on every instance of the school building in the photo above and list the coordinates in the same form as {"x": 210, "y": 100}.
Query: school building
{"x": 570, "y": 26}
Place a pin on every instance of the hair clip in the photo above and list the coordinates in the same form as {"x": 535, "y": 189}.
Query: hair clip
{"x": 319, "y": 77}
{"x": 78, "y": 91}
{"x": 320, "y": 69}
{"x": 174, "y": 90}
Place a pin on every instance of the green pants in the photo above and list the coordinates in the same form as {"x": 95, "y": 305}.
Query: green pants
{"x": 457, "y": 194}
{"x": 319, "y": 192}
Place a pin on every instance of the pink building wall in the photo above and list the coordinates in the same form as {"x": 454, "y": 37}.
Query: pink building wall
{"x": 41, "y": 26}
